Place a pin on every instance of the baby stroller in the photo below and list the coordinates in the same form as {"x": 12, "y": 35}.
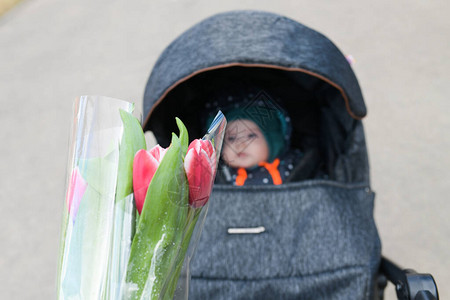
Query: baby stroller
{"x": 313, "y": 237}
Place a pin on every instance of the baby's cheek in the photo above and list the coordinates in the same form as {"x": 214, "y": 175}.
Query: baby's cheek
{"x": 226, "y": 153}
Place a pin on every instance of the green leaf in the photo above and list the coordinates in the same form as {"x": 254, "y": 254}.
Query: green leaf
{"x": 159, "y": 235}
{"x": 97, "y": 172}
{"x": 184, "y": 136}
{"x": 133, "y": 140}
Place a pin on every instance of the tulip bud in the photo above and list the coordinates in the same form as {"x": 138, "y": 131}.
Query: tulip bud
{"x": 144, "y": 167}
{"x": 200, "y": 165}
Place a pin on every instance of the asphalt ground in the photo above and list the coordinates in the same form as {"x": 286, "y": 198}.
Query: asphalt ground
{"x": 53, "y": 51}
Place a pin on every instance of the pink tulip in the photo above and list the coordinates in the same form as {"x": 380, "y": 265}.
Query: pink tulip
{"x": 77, "y": 187}
{"x": 200, "y": 165}
{"x": 144, "y": 167}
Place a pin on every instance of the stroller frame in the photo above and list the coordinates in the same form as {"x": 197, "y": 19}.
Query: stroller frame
{"x": 409, "y": 284}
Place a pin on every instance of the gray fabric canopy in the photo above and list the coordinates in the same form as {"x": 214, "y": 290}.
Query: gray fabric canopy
{"x": 251, "y": 39}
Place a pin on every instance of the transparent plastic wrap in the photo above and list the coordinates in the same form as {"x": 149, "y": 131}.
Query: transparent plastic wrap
{"x": 132, "y": 216}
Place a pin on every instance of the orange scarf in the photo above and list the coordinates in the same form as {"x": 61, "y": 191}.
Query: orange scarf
{"x": 272, "y": 168}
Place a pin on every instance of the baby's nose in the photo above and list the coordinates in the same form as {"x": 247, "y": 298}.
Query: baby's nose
{"x": 241, "y": 143}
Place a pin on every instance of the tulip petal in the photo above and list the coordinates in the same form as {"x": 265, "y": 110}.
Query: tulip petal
{"x": 205, "y": 145}
{"x": 208, "y": 147}
{"x": 144, "y": 167}
{"x": 195, "y": 144}
{"x": 75, "y": 192}
{"x": 157, "y": 152}
{"x": 200, "y": 172}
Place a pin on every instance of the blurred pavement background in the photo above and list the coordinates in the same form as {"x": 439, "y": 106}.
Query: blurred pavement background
{"x": 53, "y": 51}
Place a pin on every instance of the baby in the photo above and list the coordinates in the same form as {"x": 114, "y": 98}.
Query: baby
{"x": 255, "y": 147}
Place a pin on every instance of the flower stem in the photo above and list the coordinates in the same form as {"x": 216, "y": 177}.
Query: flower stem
{"x": 193, "y": 214}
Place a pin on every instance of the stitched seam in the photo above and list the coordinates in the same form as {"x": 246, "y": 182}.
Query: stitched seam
{"x": 291, "y": 186}
{"x": 324, "y": 273}
{"x": 262, "y": 65}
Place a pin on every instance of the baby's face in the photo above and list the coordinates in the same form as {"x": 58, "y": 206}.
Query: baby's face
{"x": 244, "y": 145}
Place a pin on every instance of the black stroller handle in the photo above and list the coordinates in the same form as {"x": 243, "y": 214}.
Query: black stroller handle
{"x": 409, "y": 284}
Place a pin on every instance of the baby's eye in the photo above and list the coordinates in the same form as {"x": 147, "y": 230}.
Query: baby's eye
{"x": 252, "y": 135}
{"x": 231, "y": 139}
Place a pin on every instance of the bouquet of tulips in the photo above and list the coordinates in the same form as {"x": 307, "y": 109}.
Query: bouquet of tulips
{"x": 131, "y": 213}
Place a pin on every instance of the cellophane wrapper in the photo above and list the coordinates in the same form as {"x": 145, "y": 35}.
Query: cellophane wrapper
{"x": 99, "y": 230}
{"x": 87, "y": 236}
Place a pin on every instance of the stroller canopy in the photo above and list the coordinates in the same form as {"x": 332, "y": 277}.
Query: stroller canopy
{"x": 296, "y": 65}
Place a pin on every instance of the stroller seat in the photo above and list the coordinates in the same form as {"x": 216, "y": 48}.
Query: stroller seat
{"x": 290, "y": 257}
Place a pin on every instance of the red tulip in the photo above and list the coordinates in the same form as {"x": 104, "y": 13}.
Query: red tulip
{"x": 144, "y": 167}
{"x": 200, "y": 166}
{"x": 77, "y": 187}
